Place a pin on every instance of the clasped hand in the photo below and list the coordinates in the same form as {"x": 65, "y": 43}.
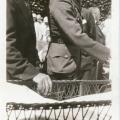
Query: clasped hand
{"x": 44, "y": 84}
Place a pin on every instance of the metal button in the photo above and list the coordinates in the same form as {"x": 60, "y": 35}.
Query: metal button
{"x": 66, "y": 56}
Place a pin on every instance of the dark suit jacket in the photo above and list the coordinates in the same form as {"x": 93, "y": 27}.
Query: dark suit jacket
{"x": 66, "y": 24}
{"x": 22, "y": 57}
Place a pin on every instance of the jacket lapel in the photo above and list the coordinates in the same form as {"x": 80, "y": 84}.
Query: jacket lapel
{"x": 24, "y": 10}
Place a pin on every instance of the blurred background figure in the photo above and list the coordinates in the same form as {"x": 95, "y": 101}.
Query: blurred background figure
{"x": 103, "y": 28}
{"x": 103, "y": 35}
{"x": 107, "y": 33}
{"x": 37, "y": 26}
{"x": 100, "y": 37}
{"x": 38, "y": 31}
{"x": 41, "y": 46}
{"x": 45, "y": 31}
{"x": 39, "y": 18}
{"x": 91, "y": 21}
{"x": 96, "y": 13}
{"x": 42, "y": 35}
{"x": 107, "y": 30}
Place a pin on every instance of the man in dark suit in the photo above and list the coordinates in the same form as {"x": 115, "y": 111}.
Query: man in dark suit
{"x": 22, "y": 57}
{"x": 69, "y": 41}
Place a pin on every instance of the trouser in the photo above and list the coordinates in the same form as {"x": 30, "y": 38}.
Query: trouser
{"x": 89, "y": 74}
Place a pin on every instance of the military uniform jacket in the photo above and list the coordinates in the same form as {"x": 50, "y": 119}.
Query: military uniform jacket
{"x": 66, "y": 26}
{"x": 21, "y": 45}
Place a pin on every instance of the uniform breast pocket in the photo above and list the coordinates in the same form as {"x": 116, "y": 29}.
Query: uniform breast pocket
{"x": 60, "y": 60}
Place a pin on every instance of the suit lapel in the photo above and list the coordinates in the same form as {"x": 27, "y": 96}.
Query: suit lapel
{"x": 24, "y": 11}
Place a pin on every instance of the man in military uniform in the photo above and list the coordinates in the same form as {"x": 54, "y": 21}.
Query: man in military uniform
{"x": 69, "y": 41}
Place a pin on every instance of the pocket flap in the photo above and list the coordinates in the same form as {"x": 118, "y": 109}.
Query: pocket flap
{"x": 59, "y": 50}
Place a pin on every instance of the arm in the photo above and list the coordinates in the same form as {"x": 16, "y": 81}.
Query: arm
{"x": 64, "y": 16}
{"x": 18, "y": 67}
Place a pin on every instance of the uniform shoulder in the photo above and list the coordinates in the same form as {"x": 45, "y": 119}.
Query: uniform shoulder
{"x": 54, "y": 4}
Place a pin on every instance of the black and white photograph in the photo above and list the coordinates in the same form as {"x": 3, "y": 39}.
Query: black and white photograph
{"x": 59, "y": 60}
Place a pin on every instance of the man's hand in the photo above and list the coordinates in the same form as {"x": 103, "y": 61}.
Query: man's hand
{"x": 44, "y": 83}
